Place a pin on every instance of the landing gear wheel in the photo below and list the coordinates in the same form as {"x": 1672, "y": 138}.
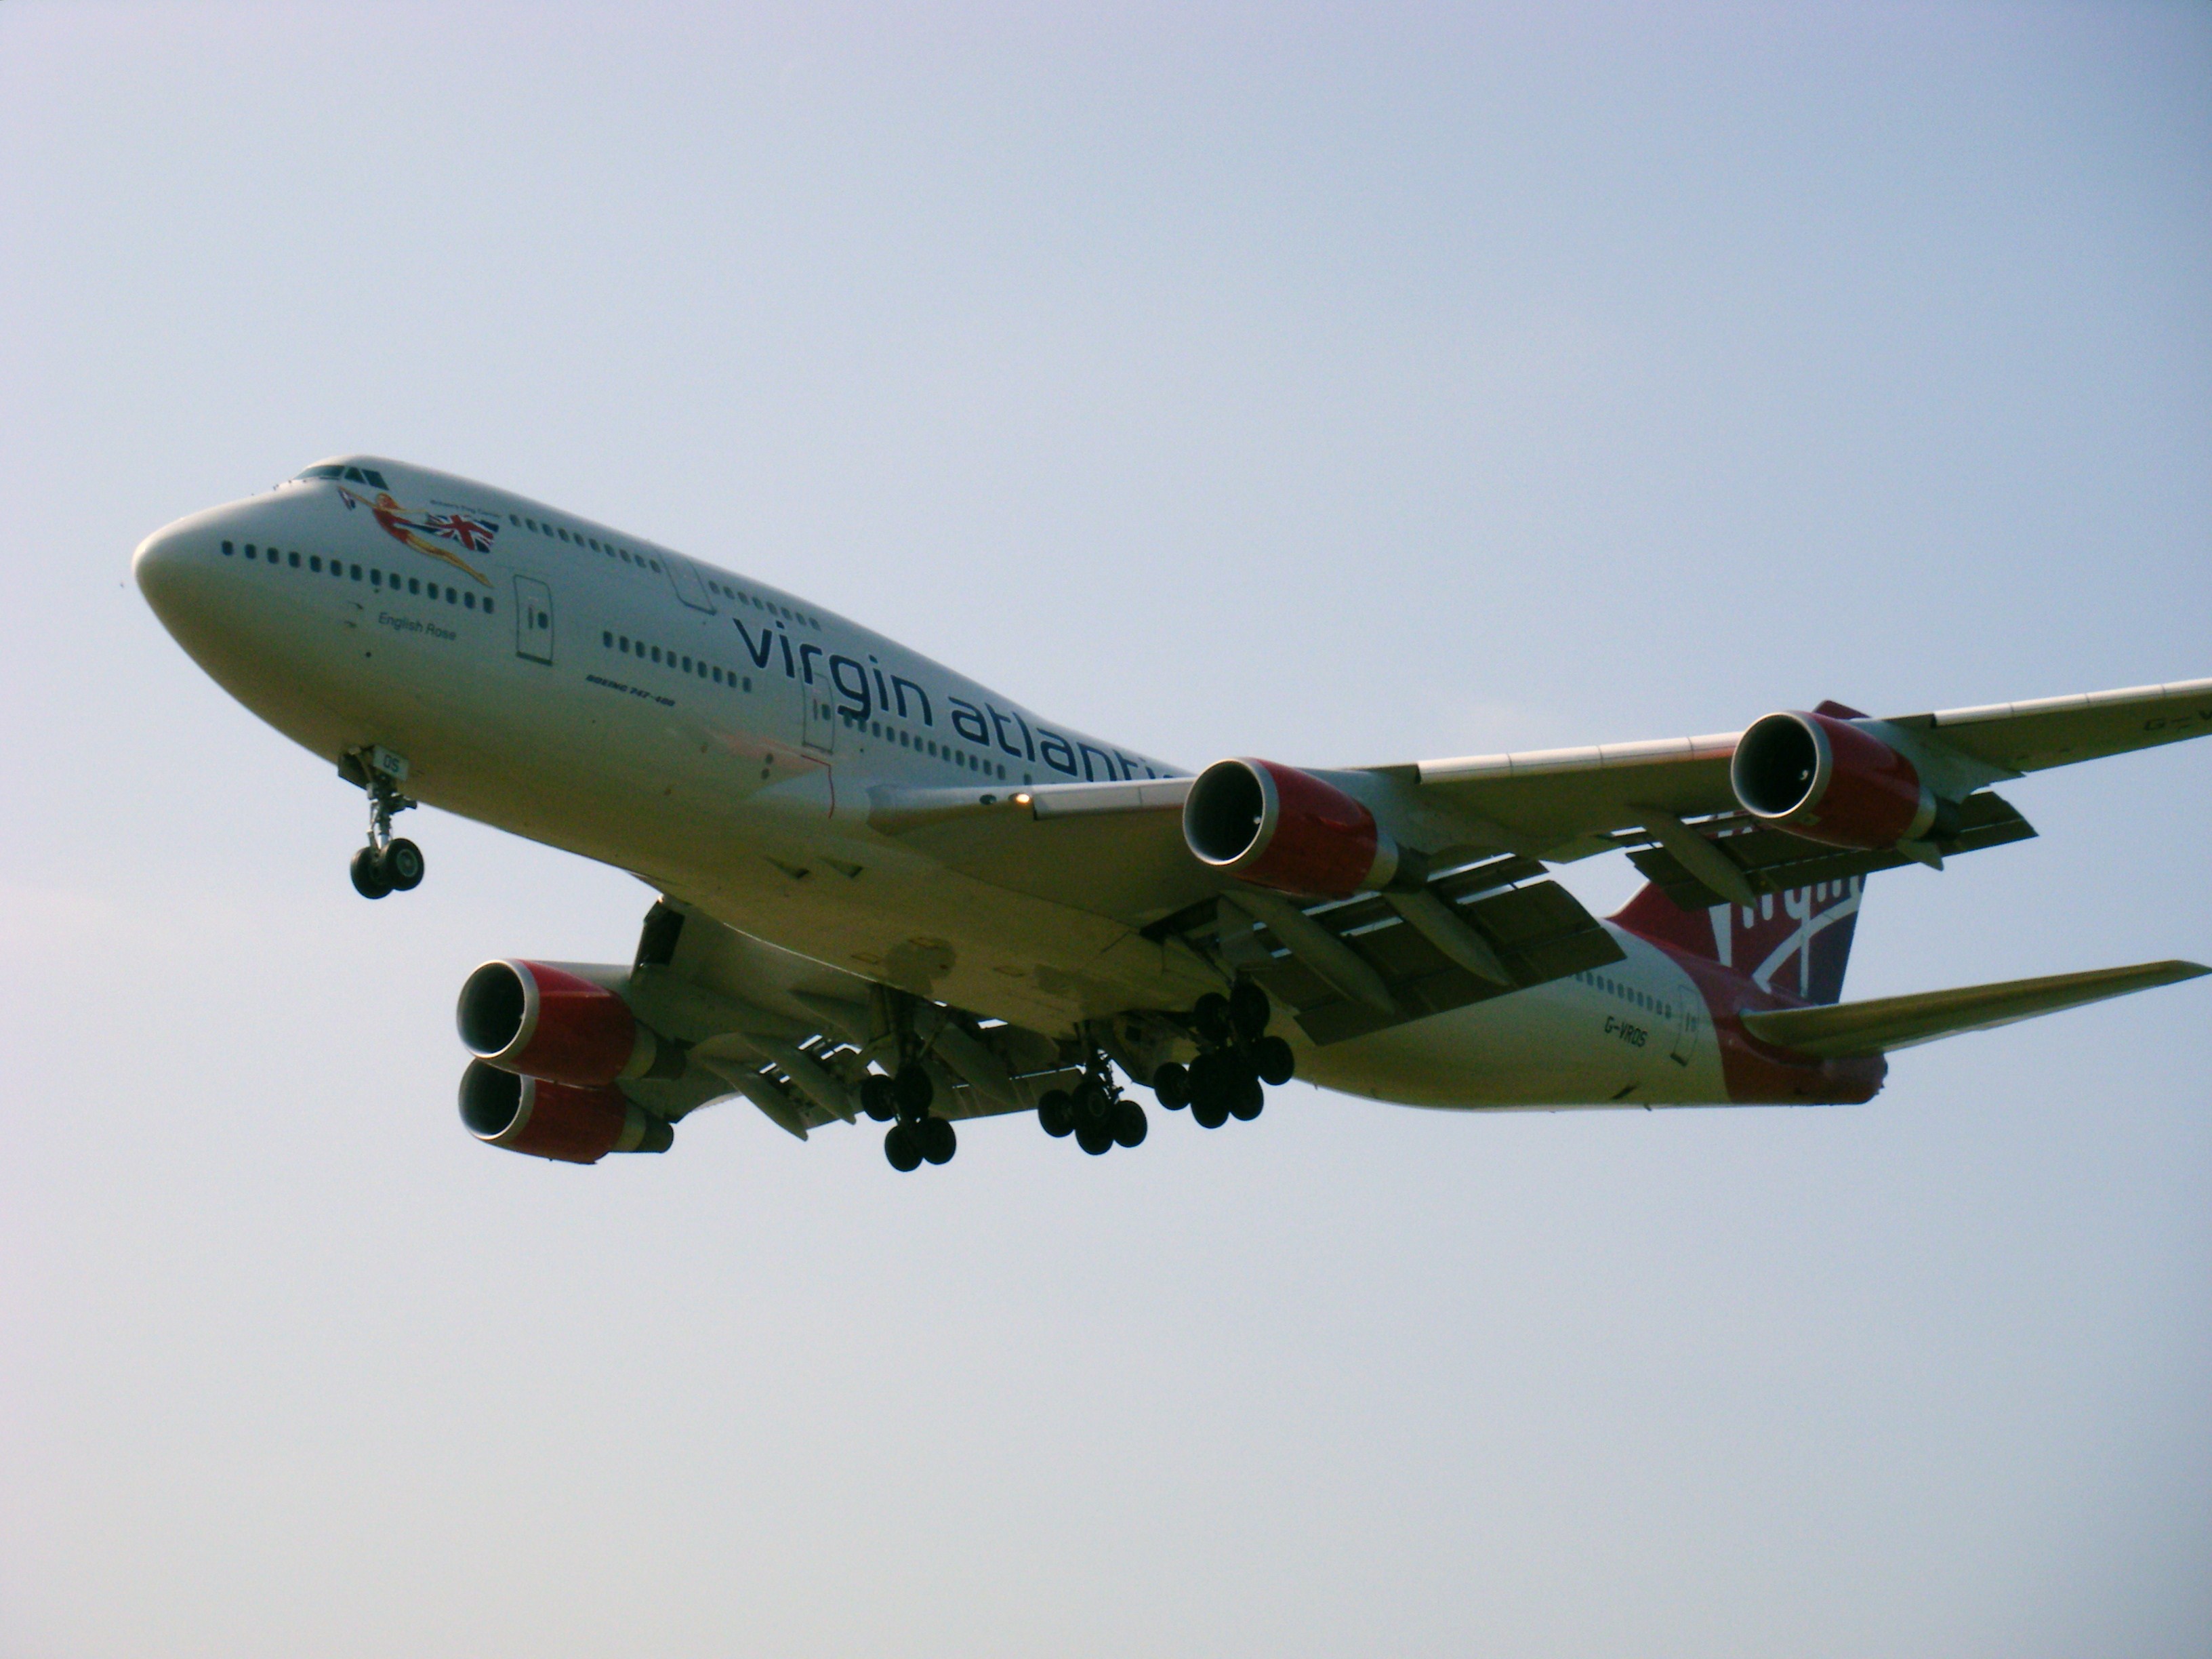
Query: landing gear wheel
{"x": 1208, "y": 1112}
{"x": 1273, "y": 1059}
{"x": 939, "y": 1143}
{"x": 1249, "y": 1104}
{"x": 901, "y": 1147}
{"x": 1056, "y": 1112}
{"x": 368, "y": 880}
{"x": 1095, "y": 1139}
{"x": 878, "y": 1097}
{"x": 1171, "y": 1083}
{"x": 1209, "y": 1018}
{"x": 1092, "y": 1103}
{"x": 1248, "y": 1012}
{"x": 400, "y": 864}
{"x": 1129, "y": 1124}
{"x": 914, "y": 1091}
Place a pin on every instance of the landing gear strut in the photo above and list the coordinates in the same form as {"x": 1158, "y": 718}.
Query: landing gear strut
{"x": 388, "y": 864}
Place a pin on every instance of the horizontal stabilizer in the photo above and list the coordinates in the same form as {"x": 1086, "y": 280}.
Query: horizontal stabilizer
{"x": 1849, "y": 1029}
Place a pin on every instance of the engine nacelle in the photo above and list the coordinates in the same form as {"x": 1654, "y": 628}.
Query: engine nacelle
{"x": 1275, "y": 826}
{"x": 552, "y": 1120}
{"x": 545, "y": 1022}
{"x": 1830, "y": 781}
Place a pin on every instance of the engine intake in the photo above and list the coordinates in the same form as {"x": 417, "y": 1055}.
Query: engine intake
{"x": 1275, "y": 826}
{"x": 546, "y": 1022}
{"x": 1829, "y": 781}
{"x": 552, "y": 1120}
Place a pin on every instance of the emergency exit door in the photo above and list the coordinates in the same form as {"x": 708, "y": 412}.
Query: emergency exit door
{"x": 533, "y": 619}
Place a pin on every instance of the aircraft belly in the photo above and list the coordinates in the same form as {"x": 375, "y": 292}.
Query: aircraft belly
{"x": 1561, "y": 1044}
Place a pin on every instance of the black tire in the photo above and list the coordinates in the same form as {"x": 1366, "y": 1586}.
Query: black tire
{"x": 400, "y": 864}
{"x": 367, "y": 879}
{"x": 1250, "y": 1011}
{"x": 914, "y": 1089}
{"x": 1209, "y": 1018}
{"x": 1092, "y": 1103}
{"x": 1273, "y": 1059}
{"x": 1171, "y": 1083}
{"x": 1208, "y": 1112}
{"x": 878, "y": 1097}
{"x": 1248, "y": 1104}
{"x": 939, "y": 1143}
{"x": 1056, "y": 1112}
{"x": 902, "y": 1149}
{"x": 1095, "y": 1139}
{"x": 1129, "y": 1124}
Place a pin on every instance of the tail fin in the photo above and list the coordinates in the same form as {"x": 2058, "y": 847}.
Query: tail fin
{"x": 1796, "y": 942}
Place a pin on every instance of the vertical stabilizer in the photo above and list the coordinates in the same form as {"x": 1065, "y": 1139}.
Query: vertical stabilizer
{"x": 1796, "y": 942}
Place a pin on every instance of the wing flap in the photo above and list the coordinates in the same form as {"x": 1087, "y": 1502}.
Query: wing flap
{"x": 1775, "y": 862}
{"x": 1853, "y": 1030}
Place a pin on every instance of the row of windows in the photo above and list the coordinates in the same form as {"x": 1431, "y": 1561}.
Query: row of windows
{"x": 377, "y": 579}
{"x": 930, "y": 746}
{"x": 698, "y": 666}
{"x": 715, "y": 585}
{"x": 1650, "y": 1004}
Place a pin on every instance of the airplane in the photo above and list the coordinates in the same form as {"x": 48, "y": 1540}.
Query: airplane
{"x": 885, "y": 891}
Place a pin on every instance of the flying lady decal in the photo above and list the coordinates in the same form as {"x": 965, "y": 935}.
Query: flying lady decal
{"x": 452, "y": 526}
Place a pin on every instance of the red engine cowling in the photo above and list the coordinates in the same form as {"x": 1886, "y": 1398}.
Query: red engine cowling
{"x": 545, "y": 1022}
{"x": 1275, "y": 826}
{"x": 551, "y": 1120}
{"x": 1830, "y": 781}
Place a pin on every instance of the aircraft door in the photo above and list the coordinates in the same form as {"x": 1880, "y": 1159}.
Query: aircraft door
{"x": 819, "y": 726}
{"x": 533, "y": 619}
{"x": 1686, "y": 1021}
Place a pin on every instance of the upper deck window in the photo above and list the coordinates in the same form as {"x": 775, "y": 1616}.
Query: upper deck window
{"x": 360, "y": 475}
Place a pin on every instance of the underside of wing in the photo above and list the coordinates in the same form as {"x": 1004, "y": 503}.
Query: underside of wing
{"x": 1849, "y": 1029}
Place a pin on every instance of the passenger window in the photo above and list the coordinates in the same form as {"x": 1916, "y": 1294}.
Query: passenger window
{"x": 293, "y": 559}
{"x": 687, "y": 665}
{"x": 469, "y": 601}
{"x": 655, "y": 563}
{"x": 227, "y": 551}
{"x": 563, "y": 534}
{"x": 749, "y": 682}
{"x": 250, "y": 553}
{"x": 606, "y": 642}
{"x": 376, "y": 578}
{"x": 356, "y": 573}
{"x": 718, "y": 677}
{"x": 315, "y": 563}
{"x": 656, "y": 653}
{"x": 486, "y": 604}
{"x": 414, "y": 586}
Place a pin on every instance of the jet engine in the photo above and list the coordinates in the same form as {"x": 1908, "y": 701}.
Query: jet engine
{"x": 1275, "y": 826}
{"x": 553, "y": 1120}
{"x": 1831, "y": 782}
{"x": 548, "y": 1022}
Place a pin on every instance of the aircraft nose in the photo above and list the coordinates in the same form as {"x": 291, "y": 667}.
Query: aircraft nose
{"x": 169, "y": 566}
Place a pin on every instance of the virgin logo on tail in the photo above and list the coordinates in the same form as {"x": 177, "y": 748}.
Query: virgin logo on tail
{"x": 1801, "y": 938}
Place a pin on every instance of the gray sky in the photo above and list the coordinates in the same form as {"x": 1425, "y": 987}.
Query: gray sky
{"x": 1343, "y": 387}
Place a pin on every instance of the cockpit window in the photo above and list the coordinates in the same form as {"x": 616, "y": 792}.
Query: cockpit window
{"x": 366, "y": 475}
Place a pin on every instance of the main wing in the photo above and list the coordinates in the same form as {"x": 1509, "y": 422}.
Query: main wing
{"x": 1562, "y": 803}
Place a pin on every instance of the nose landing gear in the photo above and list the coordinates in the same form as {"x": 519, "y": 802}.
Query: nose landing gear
{"x": 388, "y": 864}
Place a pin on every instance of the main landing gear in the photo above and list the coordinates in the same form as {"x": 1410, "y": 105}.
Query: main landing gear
{"x": 388, "y": 864}
{"x": 903, "y": 1099}
{"x": 1096, "y": 1112}
{"x": 1236, "y": 1057}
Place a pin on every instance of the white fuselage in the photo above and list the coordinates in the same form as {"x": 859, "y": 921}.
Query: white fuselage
{"x": 719, "y": 739}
